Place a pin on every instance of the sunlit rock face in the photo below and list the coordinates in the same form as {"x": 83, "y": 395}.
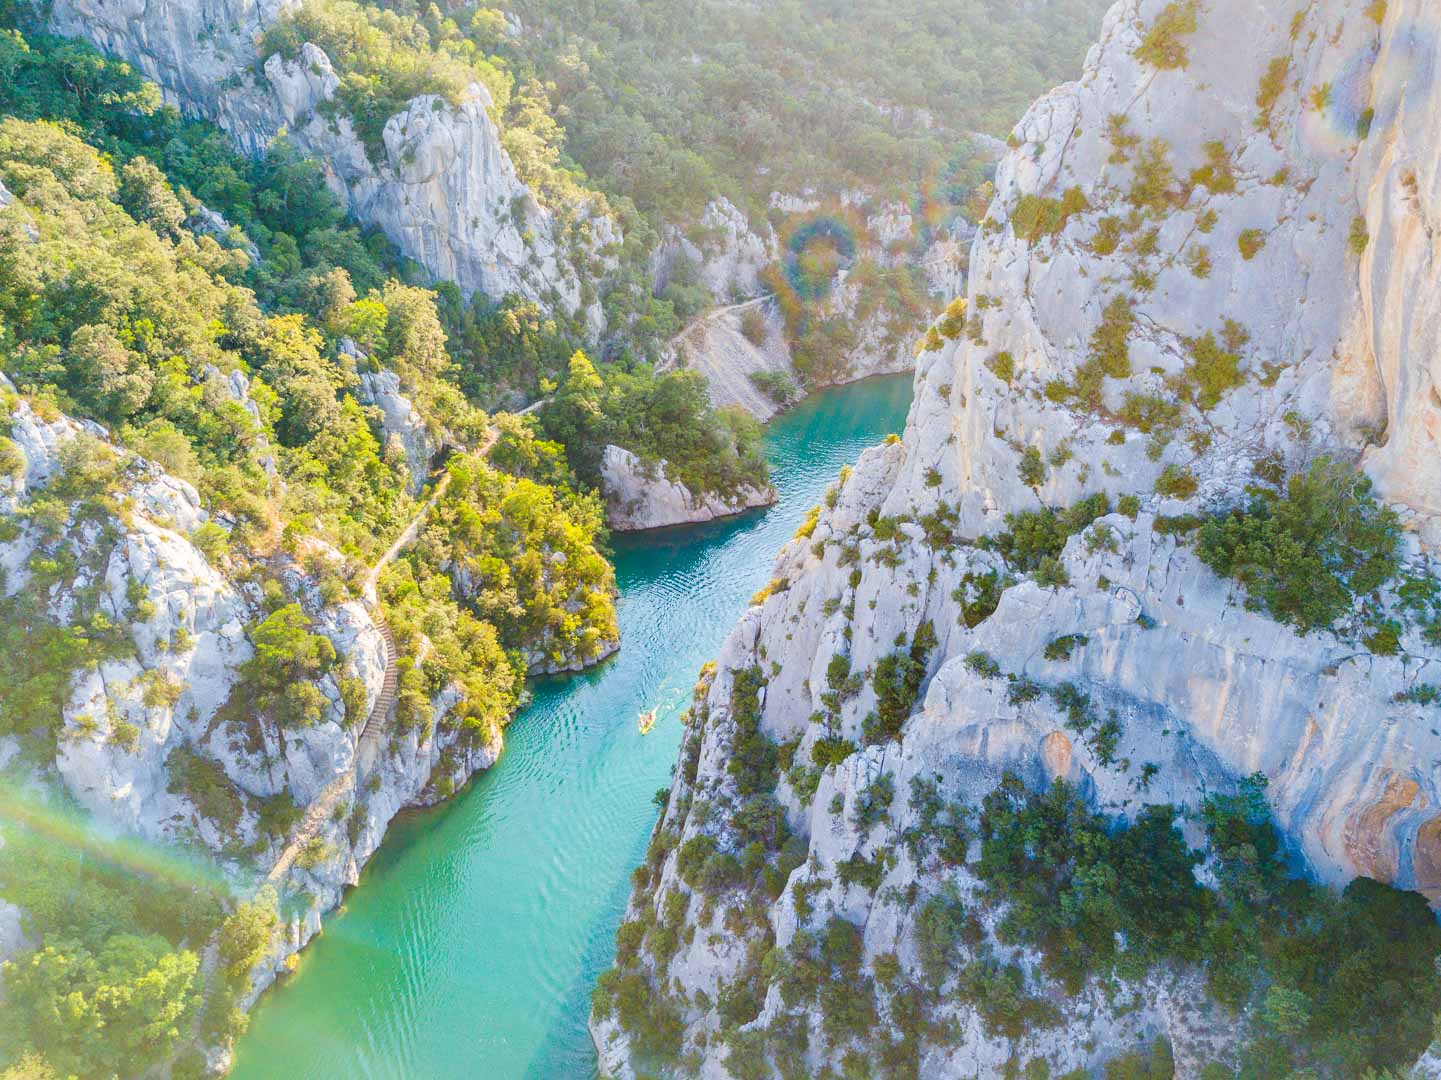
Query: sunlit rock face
{"x": 640, "y": 496}
{"x": 165, "y": 691}
{"x": 1279, "y": 193}
{"x": 443, "y": 189}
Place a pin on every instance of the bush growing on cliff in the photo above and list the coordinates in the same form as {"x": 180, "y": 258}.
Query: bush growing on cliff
{"x": 1037, "y": 217}
{"x": 897, "y": 683}
{"x": 287, "y": 656}
{"x": 754, "y": 758}
{"x": 1163, "y": 45}
{"x": 1305, "y": 555}
{"x": 1071, "y": 888}
{"x": 1031, "y": 469}
{"x": 1034, "y": 539}
{"x": 979, "y": 594}
{"x": 651, "y": 1019}
{"x": 1176, "y": 482}
{"x": 204, "y": 783}
{"x": 1097, "y": 897}
{"x": 1108, "y": 357}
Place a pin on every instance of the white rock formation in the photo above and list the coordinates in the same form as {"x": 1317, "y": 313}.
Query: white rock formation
{"x": 726, "y": 253}
{"x": 401, "y": 421}
{"x": 1335, "y": 352}
{"x": 166, "y": 688}
{"x": 716, "y": 345}
{"x": 641, "y": 497}
{"x": 445, "y": 192}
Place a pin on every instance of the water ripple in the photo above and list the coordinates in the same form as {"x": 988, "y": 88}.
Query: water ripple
{"x": 473, "y": 942}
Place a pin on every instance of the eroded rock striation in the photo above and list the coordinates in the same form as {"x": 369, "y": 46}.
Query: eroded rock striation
{"x": 1208, "y": 265}
{"x": 444, "y": 190}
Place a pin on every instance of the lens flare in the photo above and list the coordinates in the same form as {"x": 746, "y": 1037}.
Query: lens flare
{"x": 935, "y": 211}
{"x": 1370, "y": 92}
{"x": 34, "y": 820}
{"x": 818, "y": 247}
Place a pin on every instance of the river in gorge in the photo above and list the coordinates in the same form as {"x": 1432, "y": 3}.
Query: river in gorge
{"x": 471, "y": 945}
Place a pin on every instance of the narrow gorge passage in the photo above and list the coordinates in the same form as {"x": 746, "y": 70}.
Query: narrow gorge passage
{"x": 472, "y": 944}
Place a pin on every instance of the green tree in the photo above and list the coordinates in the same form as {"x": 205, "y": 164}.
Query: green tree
{"x": 115, "y": 1009}
{"x": 1305, "y": 554}
{"x": 146, "y": 196}
{"x": 285, "y": 648}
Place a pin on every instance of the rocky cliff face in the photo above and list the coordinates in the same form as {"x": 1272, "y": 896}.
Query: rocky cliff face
{"x": 402, "y": 424}
{"x": 154, "y": 740}
{"x": 640, "y": 497}
{"x": 445, "y": 192}
{"x": 1255, "y": 226}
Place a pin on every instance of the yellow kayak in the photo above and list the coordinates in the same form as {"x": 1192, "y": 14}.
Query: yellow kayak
{"x": 646, "y": 722}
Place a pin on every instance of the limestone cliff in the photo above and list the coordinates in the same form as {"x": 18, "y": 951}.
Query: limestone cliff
{"x": 640, "y": 497}
{"x": 160, "y": 736}
{"x": 445, "y": 190}
{"x": 1223, "y": 263}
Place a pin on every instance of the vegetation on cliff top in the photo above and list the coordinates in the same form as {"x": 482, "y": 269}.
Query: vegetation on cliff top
{"x": 227, "y": 369}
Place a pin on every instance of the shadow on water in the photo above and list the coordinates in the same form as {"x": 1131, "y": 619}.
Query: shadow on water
{"x": 471, "y": 946}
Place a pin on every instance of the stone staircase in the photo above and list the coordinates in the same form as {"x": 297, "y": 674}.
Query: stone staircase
{"x": 376, "y": 725}
{"x": 378, "y": 721}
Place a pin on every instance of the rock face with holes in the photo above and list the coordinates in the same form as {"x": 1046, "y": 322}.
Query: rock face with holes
{"x": 638, "y": 496}
{"x": 1224, "y": 264}
{"x": 441, "y": 187}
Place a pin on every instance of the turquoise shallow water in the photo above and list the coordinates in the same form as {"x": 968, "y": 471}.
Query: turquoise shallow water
{"x": 471, "y": 946}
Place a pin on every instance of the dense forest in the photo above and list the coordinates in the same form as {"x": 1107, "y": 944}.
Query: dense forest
{"x": 652, "y": 112}
{"x": 672, "y": 103}
{"x": 668, "y": 105}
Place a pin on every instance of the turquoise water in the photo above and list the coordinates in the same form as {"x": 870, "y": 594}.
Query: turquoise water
{"x": 471, "y": 946}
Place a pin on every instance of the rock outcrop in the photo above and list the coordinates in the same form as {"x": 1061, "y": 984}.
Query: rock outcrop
{"x": 726, "y": 255}
{"x": 401, "y": 423}
{"x": 154, "y": 741}
{"x": 1255, "y": 226}
{"x": 640, "y": 497}
{"x": 444, "y": 190}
